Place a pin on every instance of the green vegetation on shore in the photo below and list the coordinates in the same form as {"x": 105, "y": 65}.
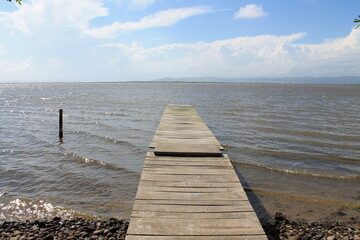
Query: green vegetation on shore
{"x": 357, "y": 20}
{"x": 18, "y": 1}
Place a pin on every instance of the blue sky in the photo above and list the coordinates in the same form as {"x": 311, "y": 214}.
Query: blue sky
{"x": 122, "y": 40}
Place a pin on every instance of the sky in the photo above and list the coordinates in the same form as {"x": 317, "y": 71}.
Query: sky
{"x": 140, "y": 40}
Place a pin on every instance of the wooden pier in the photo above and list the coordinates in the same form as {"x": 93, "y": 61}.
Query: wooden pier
{"x": 188, "y": 189}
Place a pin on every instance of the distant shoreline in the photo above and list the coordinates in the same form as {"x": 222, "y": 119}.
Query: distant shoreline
{"x": 343, "y": 80}
{"x": 175, "y": 82}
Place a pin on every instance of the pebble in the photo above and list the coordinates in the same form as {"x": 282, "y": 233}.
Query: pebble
{"x": 281, "y": 228}
{"x": 98, "y": 232}
{"x": 64, "y": 229}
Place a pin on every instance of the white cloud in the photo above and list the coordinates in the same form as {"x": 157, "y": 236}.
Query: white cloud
{"x": 250, "y": 11}
{"x": 55, "y": 14}
{"x": 23, "y": 65}
{"x": 141, "y": 4}
{"x": 260, "y": 56}
{"x": 159, "y": 19}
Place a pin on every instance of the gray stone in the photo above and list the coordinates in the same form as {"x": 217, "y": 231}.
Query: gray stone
{"x": 17, "y": 233}
{"x": 35, "y": 228}
{"x": 296, "y": 237}
{"x": 98, "y": 232}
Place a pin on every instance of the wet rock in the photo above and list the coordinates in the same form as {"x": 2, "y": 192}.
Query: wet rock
{"x": 98, "y": 232}
{"x": 64, "y": 229}
{"x": 49, "y": 237}
{"x": 35, "y": 228}
{"x": 282, "y": 228}
{"x": 17, "y": 233}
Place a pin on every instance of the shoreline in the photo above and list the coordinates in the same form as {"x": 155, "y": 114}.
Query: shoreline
{"x": 58, "y": 228}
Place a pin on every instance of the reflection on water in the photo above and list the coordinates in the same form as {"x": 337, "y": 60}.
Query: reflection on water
{"x": 288, "y": 143}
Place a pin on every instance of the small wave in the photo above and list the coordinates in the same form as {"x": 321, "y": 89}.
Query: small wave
{"x": 293, "y": 155}
{"x": 232, "y": 113}
{"x": 45, "y": 98}
{"x": 301, "y": 198}
{"x": 310, "y": 133}
{"x": 319, "y": 143}
{"x": 23, "y": 209}
{"x": 298, "y": 172}
{"x": 108, "y": 127}
{"x": 100, "y": 163}
{"x": 142, "y": 120}
{"x": 116, "y": 114}
{"x": 106, "y": 139}
{"x": 8, "y": 151}
{"x": 276, "y": 117}
{"x": 97, "y": 163}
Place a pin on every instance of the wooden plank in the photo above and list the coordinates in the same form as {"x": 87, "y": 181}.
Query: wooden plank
{"x": 194, "y": 184}
{"x": 158, "y": 226}
{"x": 189, "y": 171}
{"x": 152, "y": 157}
{"x": 185, "y": 134}
{"x": 156, "y": 142}
{"x": 191, "y": 189}
{"x": 188, "y": 215}
{"x": 145, "y": 194}
{"x": 209, "y": 164}
{"x": 216, "y": 178}
{"x": 194, "y": 135}
{"x": 177, "y": 148}
{"x": 245, "y": 207}
{"x": 197, "y": 202}
{"x": 188, "y": 165}
{"x": 232, "y": 237}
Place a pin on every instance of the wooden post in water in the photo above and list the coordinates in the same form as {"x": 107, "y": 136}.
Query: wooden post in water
{"x": 60, "y": 123}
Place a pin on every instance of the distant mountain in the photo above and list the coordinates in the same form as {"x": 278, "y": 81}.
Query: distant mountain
{"x": 304, "y": 80}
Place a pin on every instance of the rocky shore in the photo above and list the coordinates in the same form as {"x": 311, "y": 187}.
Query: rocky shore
{"x": 68, "y": 229}
{"x": 282, "y": 228}
{"x": 83, "y": 229}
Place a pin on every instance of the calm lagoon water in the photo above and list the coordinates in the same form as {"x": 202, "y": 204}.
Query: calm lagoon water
{"x": 296, "y": 148}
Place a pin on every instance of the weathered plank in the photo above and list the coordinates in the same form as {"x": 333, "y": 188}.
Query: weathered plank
{"x": 181, "y": 124}
{"x": 145, "y": 194}
{"x": 189, "y": 184}
{"x": 197, "y": 202}
{"x": 186, "y": 170}
{"x": 187, "y": 215}
{"x": 160, "y": 226}
{"x": 245, "y": 207}
{"x": 232, "y": 237}
{"x": 151, "y": 156}
{"x": 186, "y": 149}
{"x": 188, "y": 189}
{"x": 216, "y": 178}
